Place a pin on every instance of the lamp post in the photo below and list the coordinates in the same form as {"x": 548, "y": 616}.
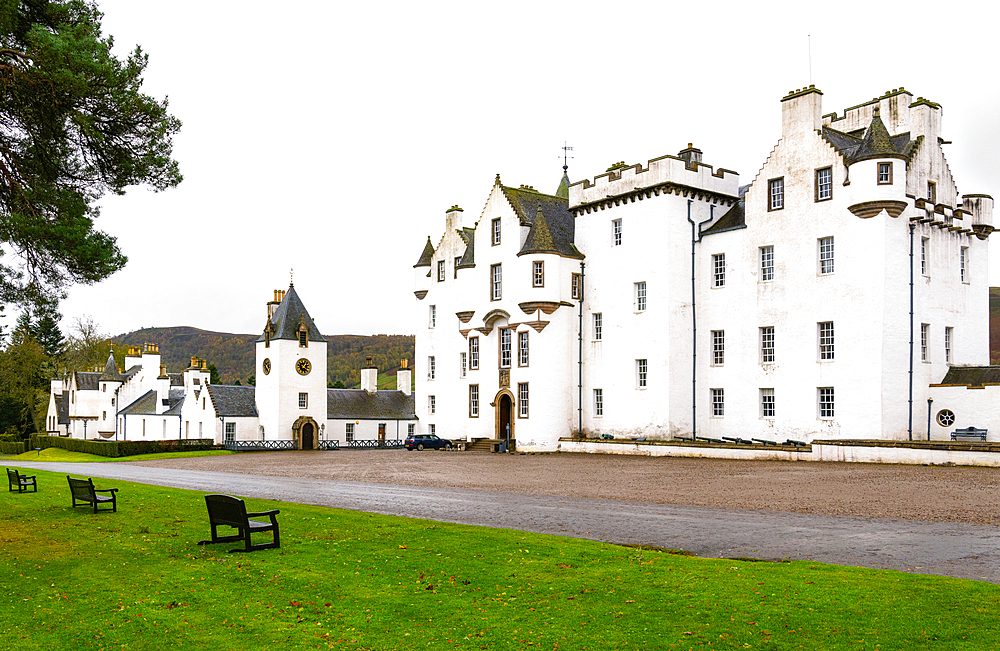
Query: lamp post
{"x": 929, "y": 402}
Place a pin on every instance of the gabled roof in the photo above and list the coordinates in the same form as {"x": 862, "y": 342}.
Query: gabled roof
{"x": 358, "y": 404}
{"x": 527, "y": 204}
{"x": 971, "y": 376}
{"x": 426, "y": 255}
{"x": 176, "y": 401}
{"x": 734, "y": 218}
{"x": 144, "y": 405}
{"x": 233, "y": 400}
{"x": 287, "y": 318}
{"x": 539, "y": 239}
{"x": 87, "y": 380}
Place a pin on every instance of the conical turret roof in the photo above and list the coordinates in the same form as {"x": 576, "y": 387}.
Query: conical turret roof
{"x": 111, "y": 373}
{"x": 426, "y": 255}
{"x": 291, "y": 313}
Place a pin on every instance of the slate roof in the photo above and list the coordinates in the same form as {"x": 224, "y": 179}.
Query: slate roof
{"x": 426, "y": 255}
{"x": 62, "y": 408}
{"x": 876, "y": 143}
{"x": 971, "y": 376}
{"x": 87, "y": 380}
{"x": 233, "y": 400}
{"x": 144, "y": 404}
{"x": 286, "y": 319}
{"x": 176, "y": 379}
{"x": 561, "y": 225}
{"x": 176, "y": 402}
{"x": 469, "y": 257}
{"x": 734, "y": 218}
{"x": 539, "y": 239}
{"x": 358, "y": 404}
{"x": 111, "y": 373}
{"x": 129, "y": 374}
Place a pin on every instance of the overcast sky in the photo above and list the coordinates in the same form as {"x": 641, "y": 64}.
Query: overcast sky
{"x": 330, "y": 137}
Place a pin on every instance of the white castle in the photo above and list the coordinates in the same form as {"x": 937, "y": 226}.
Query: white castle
{"x": 665, "y": 300}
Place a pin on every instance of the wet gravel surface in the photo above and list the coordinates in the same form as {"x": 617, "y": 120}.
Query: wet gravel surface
{"x": 926, "y": 493}
{"x": 928, "y": 520}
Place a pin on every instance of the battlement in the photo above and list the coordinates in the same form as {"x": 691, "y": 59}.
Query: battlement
{"x": 896, "y": 109}
{"x": 682, "y": 170}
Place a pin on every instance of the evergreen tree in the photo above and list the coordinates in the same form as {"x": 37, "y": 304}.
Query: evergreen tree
{"x": 75, "y": 127}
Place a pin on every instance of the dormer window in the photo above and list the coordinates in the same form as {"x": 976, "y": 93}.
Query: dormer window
{"x": 303, "y": 339}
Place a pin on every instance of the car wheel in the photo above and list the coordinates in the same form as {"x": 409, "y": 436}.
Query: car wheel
{"x": 420, "y": 446}
{"x": 448, "y": 447}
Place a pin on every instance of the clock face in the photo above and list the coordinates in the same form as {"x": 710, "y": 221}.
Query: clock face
{"x": 267, "y": 365}
{"x": 303, "y": 366}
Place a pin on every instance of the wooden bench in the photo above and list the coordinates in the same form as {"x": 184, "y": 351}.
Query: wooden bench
{"x": 224, "y": 510}
{"x": 83, "y": 491}
{"x": 969, "y": 434}
{"x": 20, "y": 482}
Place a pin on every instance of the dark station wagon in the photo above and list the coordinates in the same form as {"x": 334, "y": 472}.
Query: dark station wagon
{"x": 421, "y": 441}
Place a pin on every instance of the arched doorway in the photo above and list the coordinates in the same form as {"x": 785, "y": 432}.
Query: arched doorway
{"x": 504, "y": 417}
{"x": 307, "y": 436}
{"x": 304, "y": 433}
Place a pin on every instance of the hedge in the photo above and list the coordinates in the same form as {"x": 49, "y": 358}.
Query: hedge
{"x": 12, "y": 447}
{"x": 120, "y": 448}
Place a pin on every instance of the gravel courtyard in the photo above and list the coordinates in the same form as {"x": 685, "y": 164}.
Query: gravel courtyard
{"x": 930, "y": 493}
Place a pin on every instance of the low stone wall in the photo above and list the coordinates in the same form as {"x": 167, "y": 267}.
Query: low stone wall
{"x": 932, "y": 453}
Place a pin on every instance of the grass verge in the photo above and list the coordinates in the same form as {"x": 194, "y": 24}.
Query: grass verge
{"x": 136, "y": 579}
{"x": 59, "y": 454}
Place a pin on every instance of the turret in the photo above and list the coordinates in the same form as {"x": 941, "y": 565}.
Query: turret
{"x": 981, "y": 208}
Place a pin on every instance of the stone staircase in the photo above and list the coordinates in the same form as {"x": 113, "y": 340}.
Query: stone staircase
{"x": 482, "y": 445}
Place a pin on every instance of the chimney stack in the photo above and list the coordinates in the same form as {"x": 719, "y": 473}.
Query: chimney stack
{"x": 403, "y": 377}
{"x": 369, "y": 377}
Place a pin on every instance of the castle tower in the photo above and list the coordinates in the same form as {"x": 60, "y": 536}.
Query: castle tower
{"x": 291, "y": 373}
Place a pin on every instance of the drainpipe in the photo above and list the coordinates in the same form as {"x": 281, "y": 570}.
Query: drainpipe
{"x": 930, "y": 401}
{"x": 579, "y": 386}
{"x": 909, "y": 427}
{"x": 695, "y": 237}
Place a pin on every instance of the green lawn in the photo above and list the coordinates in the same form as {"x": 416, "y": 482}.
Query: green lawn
{"x": 136, "y": 580}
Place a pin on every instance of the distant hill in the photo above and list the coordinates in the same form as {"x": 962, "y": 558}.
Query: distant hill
{"x": 234, "y": 356}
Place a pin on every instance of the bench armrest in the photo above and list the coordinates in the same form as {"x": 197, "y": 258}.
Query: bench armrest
{"x": 271, "y": 512}
{"x": 105, "y": 490}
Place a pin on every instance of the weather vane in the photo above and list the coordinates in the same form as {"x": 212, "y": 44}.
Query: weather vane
{"x": 566, "y": 156}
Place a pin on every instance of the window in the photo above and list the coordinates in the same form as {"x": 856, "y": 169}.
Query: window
{"x": 776, "y": 194}
{"x": 598, "y": 326}
{"x": 640, "y": 297}
{"x": 766, "y": 263}
{"x": 718, "y": 403}
{"x": 885, "y": 173}
{"x": 825, "y": 255}
{"x": 719, "y": 270}
{"x": 538, "y": 274}
{"x": 767, "y": 345}
{"x": 948, "y": 331}
{"x": 432, "y": 316}
{"x": 522, "y": 349}
{"x": 461, "y": 364}
{"x": 826, "y": 340}
{"x": 303, "y": 400}
{"x": 410, "y": 429}
{"x": 577, "y": 287}
{"x": 923, "y": 255}
{"x": 616, "y": 232}
{"x": 458, "y": 259}
{"x": 598, "y": 402}
{"x": 925, "y": 334}
{"x": 473, "y": 401}
{"x": 496, "y": 231}
{"x": 505, "y": 347}
{"x": 640, "y": 373}
{"x": 473, "y": 353}
{"x": 946, "y": 418}
{"x": 825, "y": 402}
{"x": 440, "y": 271}
{"x": 522, "y": 399}
{"x": 767, "y": 403}
{"x": 963, "y": 264}
{"x": 824, "y": 184}
{"x": 431, "y": 368}
{"x": 349, "y": 432}
{"x": 495, "y": 282}
{"x": 230, "y": 431}
{"x": 432, "y": 429}
{"x": 932, "y": 191}
{"x": 431, "y": 405}
{"x": 718, "y": 347}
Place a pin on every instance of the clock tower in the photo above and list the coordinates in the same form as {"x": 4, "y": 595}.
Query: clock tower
{"x": 291, "y": 373}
